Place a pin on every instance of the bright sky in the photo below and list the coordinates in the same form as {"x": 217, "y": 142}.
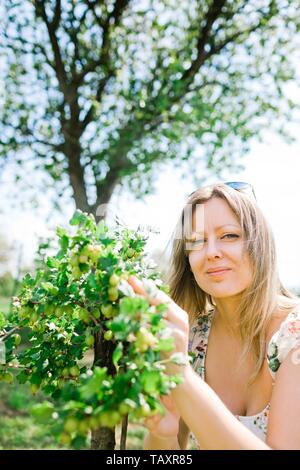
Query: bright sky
{"x": 272, "y": 167}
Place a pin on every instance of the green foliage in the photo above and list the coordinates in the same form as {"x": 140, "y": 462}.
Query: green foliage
{"x": 79, "y": 299}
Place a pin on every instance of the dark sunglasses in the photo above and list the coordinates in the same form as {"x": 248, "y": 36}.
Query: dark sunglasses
{"x": 241, "y": 186}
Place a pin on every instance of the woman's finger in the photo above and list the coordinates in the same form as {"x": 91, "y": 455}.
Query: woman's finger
{"x": 169, "y": 404}
{"x": 149, "y": 290}
{"x": 155, "y": 296}
{"x": 152, "y": 421}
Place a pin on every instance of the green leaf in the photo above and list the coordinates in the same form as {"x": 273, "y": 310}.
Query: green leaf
{"x": 61, "y": 232}
{"x": 150, "y": 380}
{"x": 3, "y": 320}
{"x": 64, "y": 243}
{"x": 28, "y": 281}
{"x": 130, "y": 306}
{"x": 47, "y": 286}
{"x": 53, "y": 263}
{"x": 101, "y": 230}
{"x": 22, "y": 377}
{"x": 117, "y": 354}
{"x": 43, "y": 411}
{"x": 78, "y": 218}
{"x": 94, "y": 384}
{"x": 165, "y": 344}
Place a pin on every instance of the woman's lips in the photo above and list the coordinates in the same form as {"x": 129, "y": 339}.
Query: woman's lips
{"x": 218, "y": 273}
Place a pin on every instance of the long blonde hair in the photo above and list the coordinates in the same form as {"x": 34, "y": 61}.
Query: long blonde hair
{"x": 261, "y": 299}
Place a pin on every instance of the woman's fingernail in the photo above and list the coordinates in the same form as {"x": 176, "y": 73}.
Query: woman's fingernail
{"x": 135, "y": 280}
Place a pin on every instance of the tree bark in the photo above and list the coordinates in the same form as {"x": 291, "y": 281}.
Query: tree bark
{"x": 103, "y": 438}
{"x": 104, "y": 194}
{"x": 76, "y": 173}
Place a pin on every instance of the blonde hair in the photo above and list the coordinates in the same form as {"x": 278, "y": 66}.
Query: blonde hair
{"x": 265, "y": 294}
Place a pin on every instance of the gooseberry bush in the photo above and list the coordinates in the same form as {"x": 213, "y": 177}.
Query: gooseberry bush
{"x": 94, "y": 345}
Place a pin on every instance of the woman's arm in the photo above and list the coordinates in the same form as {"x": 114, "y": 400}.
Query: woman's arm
{"x": 213, "y": 425}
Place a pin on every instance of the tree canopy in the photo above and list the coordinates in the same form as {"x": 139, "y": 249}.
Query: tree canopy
{"x": 102, "y": 93}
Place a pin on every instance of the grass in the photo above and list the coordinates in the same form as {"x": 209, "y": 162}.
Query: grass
{"x": 19, "y": 430}
{"x": 4, "y": 304}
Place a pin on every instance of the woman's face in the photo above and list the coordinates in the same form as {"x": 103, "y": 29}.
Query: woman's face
{"x": 217, "y": 258}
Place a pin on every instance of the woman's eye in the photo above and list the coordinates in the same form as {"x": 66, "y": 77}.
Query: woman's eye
{"x": 231, "y": 235}
{"x": 200, "y": 241}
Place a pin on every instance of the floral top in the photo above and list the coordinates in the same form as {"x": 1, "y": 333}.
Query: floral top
{"x": 284, "y": 340}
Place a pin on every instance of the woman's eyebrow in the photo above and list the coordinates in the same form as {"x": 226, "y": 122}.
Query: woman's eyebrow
{"x": 218, "y": 228}
{"x": 227, "y": 225}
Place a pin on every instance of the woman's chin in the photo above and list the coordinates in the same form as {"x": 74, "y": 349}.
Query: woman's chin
{"x": 223, "y": 293}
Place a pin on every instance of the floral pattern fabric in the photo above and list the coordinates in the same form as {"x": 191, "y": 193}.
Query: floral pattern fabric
{"x": 284, "y": 340}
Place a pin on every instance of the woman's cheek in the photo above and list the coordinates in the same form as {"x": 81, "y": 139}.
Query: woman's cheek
{"x": 197, "y": 269}
{"x": 194, "y": 259}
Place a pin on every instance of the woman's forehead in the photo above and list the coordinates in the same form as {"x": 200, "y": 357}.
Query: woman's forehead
{"x": 214, "y": 213}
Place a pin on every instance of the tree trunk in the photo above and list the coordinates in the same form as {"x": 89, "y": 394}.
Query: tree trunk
{"x": 103, "y": 438}
{"x": 76, "y": 171}
{"x": 104, "y": 193}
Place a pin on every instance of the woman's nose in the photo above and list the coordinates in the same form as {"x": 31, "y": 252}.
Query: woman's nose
{"x": 213, "y": 248}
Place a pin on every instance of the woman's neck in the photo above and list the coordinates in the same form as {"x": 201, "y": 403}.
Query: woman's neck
{"x": 227, "y": 316}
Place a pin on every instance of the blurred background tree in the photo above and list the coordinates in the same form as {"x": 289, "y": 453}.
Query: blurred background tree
{"x": 4, "y": 252}
{"x": 11, "y": 253}
{"x": 6, "y": 278}
{"x": 101, "y": 94}
{"x": 98, "y": 95}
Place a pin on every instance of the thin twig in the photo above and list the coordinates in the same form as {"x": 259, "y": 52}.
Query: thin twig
{"x": 124, "y": 433}
{"x": 6, "y": 335}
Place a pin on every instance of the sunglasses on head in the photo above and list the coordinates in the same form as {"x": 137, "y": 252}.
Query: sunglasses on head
{"x": 240, "y": 186}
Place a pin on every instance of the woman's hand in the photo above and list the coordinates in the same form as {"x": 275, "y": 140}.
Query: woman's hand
{"x": 167, "y": 426}
{"x": 176, "y": 320}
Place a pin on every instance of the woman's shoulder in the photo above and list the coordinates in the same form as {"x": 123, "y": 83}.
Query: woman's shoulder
{"x": 285, "y": 338}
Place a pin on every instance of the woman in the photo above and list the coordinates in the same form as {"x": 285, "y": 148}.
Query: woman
{"x": 226, "y": 300}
